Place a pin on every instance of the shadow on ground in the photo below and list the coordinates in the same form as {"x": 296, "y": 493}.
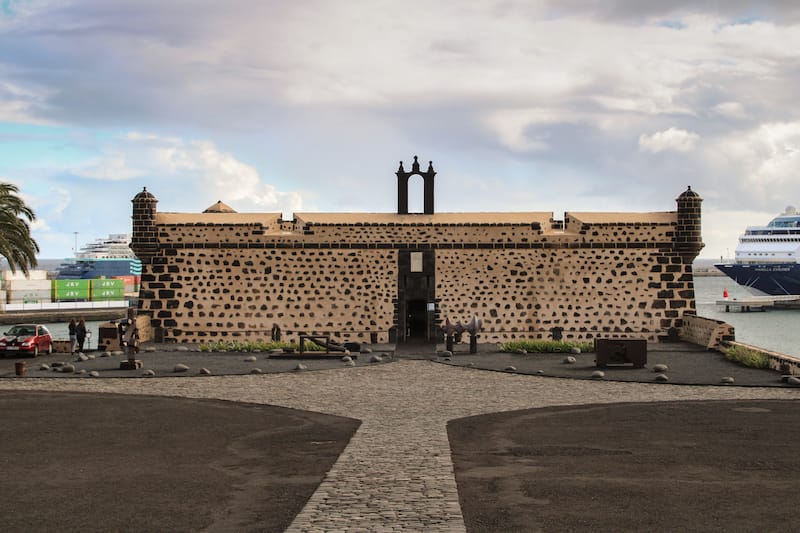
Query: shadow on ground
{"x": 93, "y": 462}
{"x": 675, "y": 466}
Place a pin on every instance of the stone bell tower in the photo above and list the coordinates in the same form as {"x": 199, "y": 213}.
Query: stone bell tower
{"x": 402, "y": 187}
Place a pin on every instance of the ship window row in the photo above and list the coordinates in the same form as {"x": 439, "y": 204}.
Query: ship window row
{"x": 750, "y": 254}
{"x": 749, "y": 239}
{"x": 771, "y": 232}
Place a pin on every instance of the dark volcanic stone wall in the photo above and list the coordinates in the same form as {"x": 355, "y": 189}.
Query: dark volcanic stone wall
{"x": 587, "y": 292}
{"x": 205, "y": 294}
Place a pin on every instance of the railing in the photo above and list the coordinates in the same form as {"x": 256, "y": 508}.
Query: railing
{"x": 59, "y": 306}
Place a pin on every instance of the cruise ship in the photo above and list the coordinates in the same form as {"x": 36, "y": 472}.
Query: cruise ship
{"x": 102, "y": 258}
{"x": 766, "y": 260}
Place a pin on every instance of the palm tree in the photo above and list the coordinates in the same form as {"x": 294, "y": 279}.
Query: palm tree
{"x": 16, "y": 243}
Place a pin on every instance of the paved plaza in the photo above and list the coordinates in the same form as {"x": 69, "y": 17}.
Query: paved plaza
{"x": 396, "y": 474}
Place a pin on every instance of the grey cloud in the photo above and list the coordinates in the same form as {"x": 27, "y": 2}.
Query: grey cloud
{"x": 779, "y": 11}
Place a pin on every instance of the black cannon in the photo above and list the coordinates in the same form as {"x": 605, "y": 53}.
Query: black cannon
{"x": 620, "y": 352}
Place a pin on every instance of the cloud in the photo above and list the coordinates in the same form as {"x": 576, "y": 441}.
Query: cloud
{"x": 272, "y": 105}
{"x": 21, "y": 102}
{"x": 636, "y": 10}
{"x": 761, "y": 165}
{"x": 730, "y": 109}
{"x": 194, "y": 164}
{"x": 672, "y": 139}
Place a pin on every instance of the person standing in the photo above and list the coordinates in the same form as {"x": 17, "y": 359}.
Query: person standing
{"x": 80, "y": 334}
{"x": 73, "y": 336}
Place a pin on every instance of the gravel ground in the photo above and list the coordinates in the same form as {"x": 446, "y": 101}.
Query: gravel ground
{"x": 396, "y": 473}
{"x": 162, "y": 360}
{"x": 686, "y": 364}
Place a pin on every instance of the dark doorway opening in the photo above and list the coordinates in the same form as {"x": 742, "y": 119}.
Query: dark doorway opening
{"x": 417, "y": 320}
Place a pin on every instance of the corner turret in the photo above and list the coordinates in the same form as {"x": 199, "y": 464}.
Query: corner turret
{"x": 688, "y": 237}
{"x": 144, "y": 241}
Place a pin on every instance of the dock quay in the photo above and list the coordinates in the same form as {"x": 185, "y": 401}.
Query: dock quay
{"x": 761, "y": 303}
{"x": 61, "y": 315}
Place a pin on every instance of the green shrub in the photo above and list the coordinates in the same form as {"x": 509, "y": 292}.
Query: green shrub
{"x": 257, "y": 346}
{"x": 544, "y": 346}
{"x": 746, "y": 357}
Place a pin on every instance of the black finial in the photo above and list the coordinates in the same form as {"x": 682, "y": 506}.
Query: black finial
{"x": 415, "y": 166}
{"x": 430, "y": 166}
{"x": 401, "y": 169}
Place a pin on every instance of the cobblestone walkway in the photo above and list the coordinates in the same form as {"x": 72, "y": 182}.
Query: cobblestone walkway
{"x": 396, "y": 474}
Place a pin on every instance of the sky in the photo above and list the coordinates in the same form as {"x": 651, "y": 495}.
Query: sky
{"x": 276, "y": 106}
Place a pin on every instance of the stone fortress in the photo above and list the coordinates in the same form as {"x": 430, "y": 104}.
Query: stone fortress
{"x": 396, "y": 277}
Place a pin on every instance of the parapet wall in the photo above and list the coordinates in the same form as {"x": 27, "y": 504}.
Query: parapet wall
{"x": 712, "y": 334}
{"x": 785, "y": 364}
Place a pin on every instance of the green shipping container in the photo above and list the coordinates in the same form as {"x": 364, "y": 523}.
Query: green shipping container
{"x": 111, "y": 284}
{"x": 99, "y": 295}
{"x": 70, "y": 289}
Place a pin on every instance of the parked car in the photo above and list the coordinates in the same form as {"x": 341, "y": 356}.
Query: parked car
{"x": 28, "y": 339}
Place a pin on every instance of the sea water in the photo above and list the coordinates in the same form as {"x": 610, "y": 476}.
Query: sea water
{"x": 777, "y": 330}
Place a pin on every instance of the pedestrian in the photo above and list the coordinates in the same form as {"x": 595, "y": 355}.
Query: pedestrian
{"x": 73, "y": 336}
{"x": 80, "y": 334}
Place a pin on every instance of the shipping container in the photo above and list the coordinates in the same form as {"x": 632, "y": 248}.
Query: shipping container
{"x": 28, "y": 285}
{"x": 29, "y": 296}
{"x": 111, "y": 283}
{"x": 20, "y": 276}
{"x": 108, "y": 294}
{"x": 70, "y": 289}
{"x": 127, "y": 280}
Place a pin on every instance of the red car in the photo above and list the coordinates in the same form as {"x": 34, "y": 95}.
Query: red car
{"x": 27, "y": 339}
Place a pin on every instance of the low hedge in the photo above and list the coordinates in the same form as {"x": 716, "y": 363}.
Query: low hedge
{"x": 257, "y": 346}
{"x": 746, "y": 357}
{"x": 544, "y": 346}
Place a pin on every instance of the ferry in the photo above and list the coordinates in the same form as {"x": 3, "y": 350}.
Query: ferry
{"x": 766, "y": 260}
{"x": 102, "y": 258}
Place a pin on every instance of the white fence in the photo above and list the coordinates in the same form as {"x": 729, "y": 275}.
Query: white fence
{"x": 59, "y": 306}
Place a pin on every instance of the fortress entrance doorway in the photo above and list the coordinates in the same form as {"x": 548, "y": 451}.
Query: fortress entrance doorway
{"x": 417, "y": 321}
{"x": 416, "y": 302}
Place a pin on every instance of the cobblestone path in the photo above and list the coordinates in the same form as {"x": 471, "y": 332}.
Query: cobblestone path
{"x": 396, "y": 473}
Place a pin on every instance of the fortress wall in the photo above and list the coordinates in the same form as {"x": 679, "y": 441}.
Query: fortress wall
{"x": 240, "y": 293}
{"x": 217, "y": 233}
{"x": 578, "y": 233}
{"x": 623, "y": 232}
{"x": 427, "y": 234}
{"x": 524, "y": 293}
{"x": 257, "y": 233}
{"x": 227, "y": 276}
